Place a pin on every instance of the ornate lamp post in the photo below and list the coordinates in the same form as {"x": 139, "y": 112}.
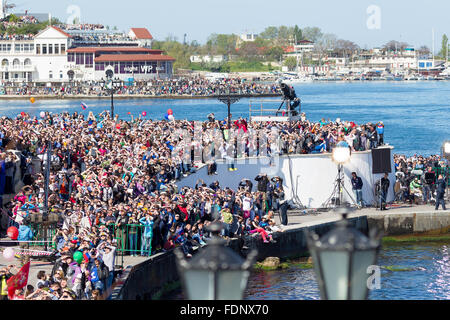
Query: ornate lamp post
{"x": 111, "y": 86}
{"x": 216, "y": 272}
{"x": 228, "y": 99}
{"x": 341, "y": 258}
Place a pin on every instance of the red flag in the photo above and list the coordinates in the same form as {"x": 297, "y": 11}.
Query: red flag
{"x": 18, "y": 281}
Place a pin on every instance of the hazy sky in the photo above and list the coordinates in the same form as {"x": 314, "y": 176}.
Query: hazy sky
{"x": 405, "y": 20}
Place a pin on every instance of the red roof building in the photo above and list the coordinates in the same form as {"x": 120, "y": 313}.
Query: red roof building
{"x": 138, "y": 62}
{"x": 140, "y": 33}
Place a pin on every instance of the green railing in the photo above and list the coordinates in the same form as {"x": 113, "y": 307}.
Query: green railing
{"x": 130, "y": 240}
{"x": 445, "y": 171}
{"x": 43, "y": 235}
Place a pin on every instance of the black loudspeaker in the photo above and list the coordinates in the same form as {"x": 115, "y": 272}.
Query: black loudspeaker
{"x": 381, "y": 160}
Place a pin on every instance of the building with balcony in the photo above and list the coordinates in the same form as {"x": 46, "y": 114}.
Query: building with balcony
{"x": 56, "y": 56}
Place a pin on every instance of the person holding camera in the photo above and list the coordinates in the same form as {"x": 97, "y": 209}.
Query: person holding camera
{"x": 427, "y": 180}
{"x": 384, "y": 189}
{"x": 281, "y": 197}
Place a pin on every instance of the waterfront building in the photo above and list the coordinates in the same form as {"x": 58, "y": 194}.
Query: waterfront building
{"x": 56, "y": 56}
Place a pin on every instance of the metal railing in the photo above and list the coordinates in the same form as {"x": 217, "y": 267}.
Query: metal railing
{"x": 131, "y": 239}
{"x": 444, "y": 171}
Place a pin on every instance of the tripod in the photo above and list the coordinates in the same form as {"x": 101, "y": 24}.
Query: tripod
{"x": 337, "y": 193}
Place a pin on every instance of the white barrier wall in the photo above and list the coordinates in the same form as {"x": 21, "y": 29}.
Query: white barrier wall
{"x": 310, "y": 177}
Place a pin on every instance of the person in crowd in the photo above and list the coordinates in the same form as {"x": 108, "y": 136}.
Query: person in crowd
{"x": 113, "y": 183}
{"x": 384, "y": 189}
{"x": 357, "y": 185}
{"x": 440, "y": 192}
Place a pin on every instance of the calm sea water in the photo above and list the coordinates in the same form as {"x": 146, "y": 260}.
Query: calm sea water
{"x": 416, "y": 114}
{"x": 426, "y": 276}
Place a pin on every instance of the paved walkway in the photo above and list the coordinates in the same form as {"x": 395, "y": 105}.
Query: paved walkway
{"x": 297, "y": 218}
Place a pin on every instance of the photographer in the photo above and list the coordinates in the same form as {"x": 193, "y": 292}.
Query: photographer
{"x": 384, "y": 189}
{"x": 427, "y": 180}
{"x": 281, "y": 197}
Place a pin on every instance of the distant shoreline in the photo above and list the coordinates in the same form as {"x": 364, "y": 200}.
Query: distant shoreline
{"x": 123, "y": 97}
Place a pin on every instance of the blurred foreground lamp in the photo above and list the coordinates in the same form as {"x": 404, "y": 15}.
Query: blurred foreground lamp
{"x": 216, "y": 272}
{"x": 341, "y": 258}
{"x": 446, "y": 150}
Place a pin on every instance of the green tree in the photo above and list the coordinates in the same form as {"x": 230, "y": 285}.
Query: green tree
{"x": 312, "y": 33}
{"x": 274, "y": 53}
{"x": 444, "y": 50}
{"x": 285, "y": 35}
{"x": 13, "y": 18}
{"x": 291, "y": 63}
{"x": 249, "y": 51}
{"x": 270, "y": 33}
{"x": 298, "y": 35}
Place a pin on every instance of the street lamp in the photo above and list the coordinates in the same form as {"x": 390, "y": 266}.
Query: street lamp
{"x": 111, "y": 86}
{"x": 216, "y": 272}
{"x": 228, "y": 99}
{"x": 341, "y": 259}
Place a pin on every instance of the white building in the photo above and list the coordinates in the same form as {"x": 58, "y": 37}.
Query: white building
{"x": 304, "y": 46}
{"x": 142, "y": 35}
{"x": 53, "y": 56}
{"x": 248, "y": 37}
{"x": 40, "y": 59}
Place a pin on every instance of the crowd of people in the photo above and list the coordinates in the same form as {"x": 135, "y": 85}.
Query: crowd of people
{"x": 113, "y": 186}
{"x": 420, "y": 179}
{"x": 82, "y": 26}
{"x": 184, "y": 86}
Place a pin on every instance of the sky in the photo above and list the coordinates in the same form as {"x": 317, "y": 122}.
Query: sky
{"x": 368, "y": 23}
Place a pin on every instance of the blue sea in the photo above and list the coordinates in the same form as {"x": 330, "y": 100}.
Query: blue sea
{"x": 415, "y": 114}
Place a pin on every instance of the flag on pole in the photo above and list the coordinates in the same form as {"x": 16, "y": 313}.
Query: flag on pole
{"x": 83, "y": 106}
{"x": 18, "y": 281}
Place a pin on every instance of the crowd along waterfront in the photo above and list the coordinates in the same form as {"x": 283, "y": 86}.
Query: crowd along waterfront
{"x": 416, "y": 110}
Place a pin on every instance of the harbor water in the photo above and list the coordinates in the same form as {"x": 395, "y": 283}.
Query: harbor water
{"x": 419, "y": 271}
{"x": 413, "y": 271}
{"x": 415, "y": 113}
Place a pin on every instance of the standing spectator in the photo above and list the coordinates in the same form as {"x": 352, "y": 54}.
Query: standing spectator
{"x": 108, "y": 254}
{"x": 99, "y": 275}
{"x": 440, "y": 192}
{"x": 357, "y": 185}
{"x": 384, "y": 189}
{"x": 283, "y": 205}
{"x": 427, "y": 180}
{"x": 380, "y": 132}
{"x": 147, "y": 235}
